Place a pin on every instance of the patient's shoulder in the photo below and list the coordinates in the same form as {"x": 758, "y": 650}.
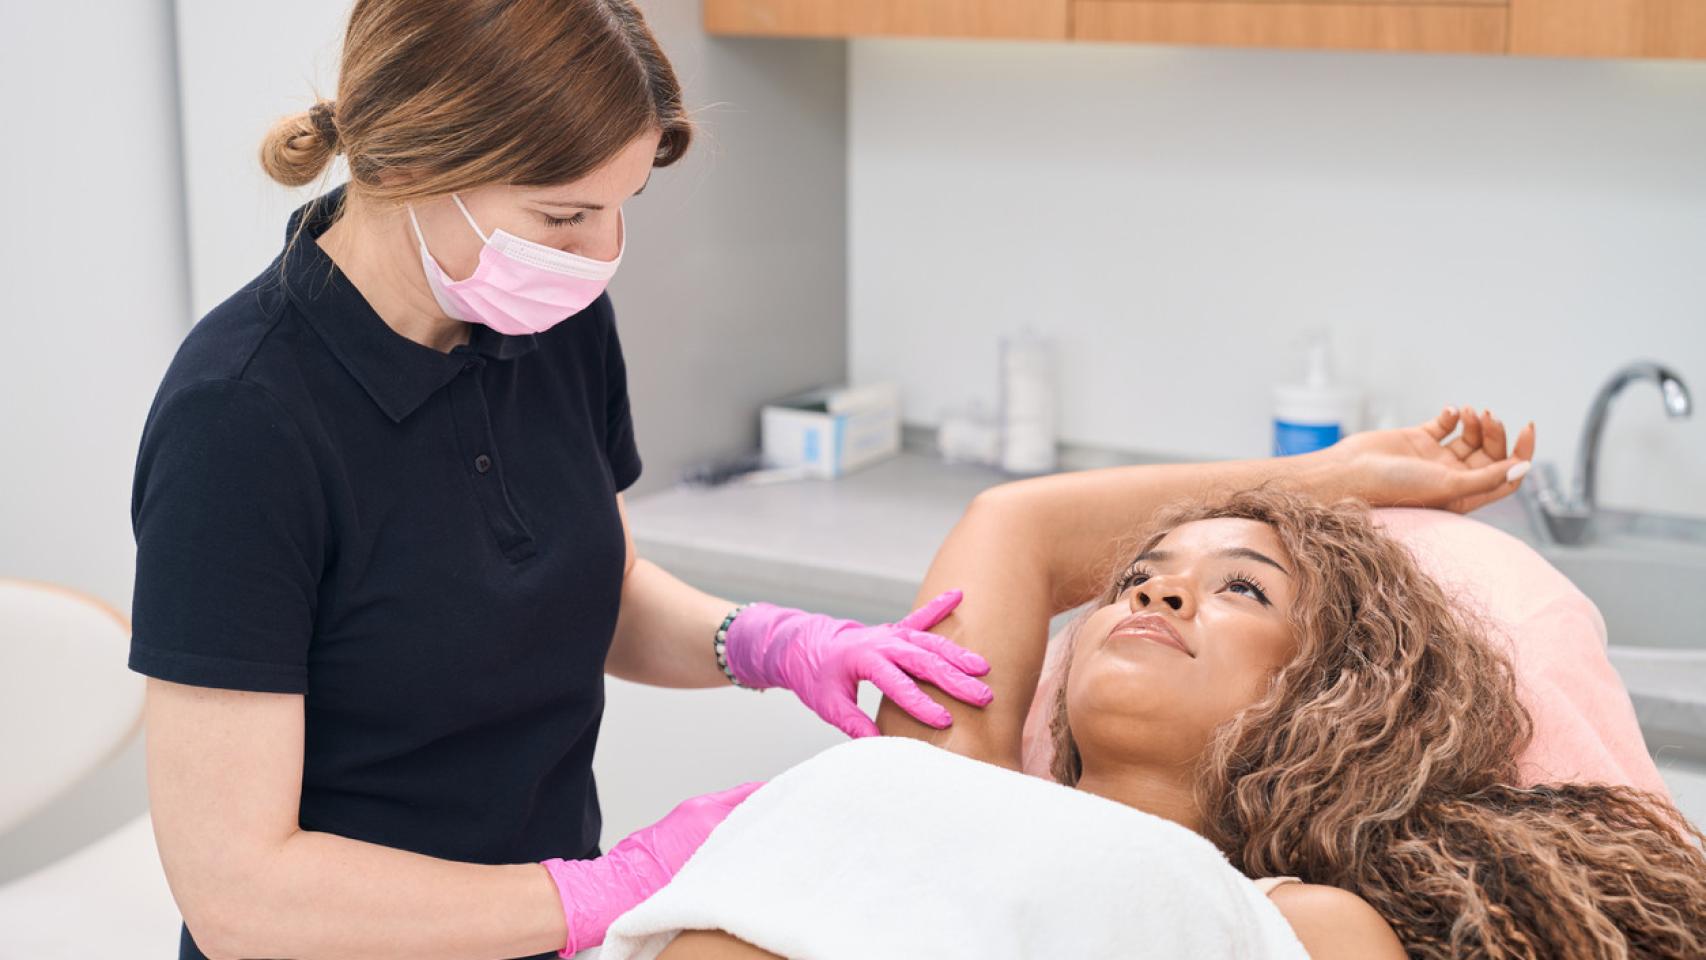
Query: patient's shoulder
{"x": 712, "y": 945}
{"x": 1334, "y": 923}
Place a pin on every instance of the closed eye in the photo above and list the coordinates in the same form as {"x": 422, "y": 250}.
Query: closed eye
{"x": 575, "y": 220}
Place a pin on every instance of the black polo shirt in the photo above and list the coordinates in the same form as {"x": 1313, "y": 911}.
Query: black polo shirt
{"x": 425, "y": 545}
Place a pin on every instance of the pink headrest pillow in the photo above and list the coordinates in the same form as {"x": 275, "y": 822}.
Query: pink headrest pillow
{"x": 1584, "y": 724}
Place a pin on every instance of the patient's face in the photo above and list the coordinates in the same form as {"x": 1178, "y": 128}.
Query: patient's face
{"x": 1222, "y": 591}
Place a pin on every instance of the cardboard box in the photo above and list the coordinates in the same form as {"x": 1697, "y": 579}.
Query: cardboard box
{"x": 832, "y": 431}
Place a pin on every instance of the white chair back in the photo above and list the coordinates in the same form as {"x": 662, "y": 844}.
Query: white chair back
{"x": 68, "y": 703}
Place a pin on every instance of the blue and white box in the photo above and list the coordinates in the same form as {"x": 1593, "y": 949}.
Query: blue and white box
{"x": 832, "y": 431}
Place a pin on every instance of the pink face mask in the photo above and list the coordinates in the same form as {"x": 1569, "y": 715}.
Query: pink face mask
{"x": 519, "y": 286}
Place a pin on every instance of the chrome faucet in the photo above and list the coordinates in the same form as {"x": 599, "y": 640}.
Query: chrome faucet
{"x": 1677, "y": 404}
{"x": 1568, "y": 517}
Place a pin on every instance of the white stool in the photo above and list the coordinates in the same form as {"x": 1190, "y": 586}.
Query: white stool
{"x": 68, "y": 705}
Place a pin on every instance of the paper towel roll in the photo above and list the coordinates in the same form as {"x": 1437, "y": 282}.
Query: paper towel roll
{"x": 1027, "y": 404}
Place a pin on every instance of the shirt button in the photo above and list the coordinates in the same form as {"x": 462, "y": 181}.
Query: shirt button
{"x": 482, "y": 463}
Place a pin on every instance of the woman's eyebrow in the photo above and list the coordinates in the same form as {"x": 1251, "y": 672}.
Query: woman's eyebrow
{"x": 583, "y": 204}
{"x": 1249, "y": 554}
{"x": 1162, "y": 556}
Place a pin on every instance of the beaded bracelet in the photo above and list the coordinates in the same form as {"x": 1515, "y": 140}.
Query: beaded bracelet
{"x": 720, "y": 644}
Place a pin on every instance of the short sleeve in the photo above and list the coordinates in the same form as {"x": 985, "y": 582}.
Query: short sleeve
{"x": 619, "y": 445}
{"x": 230, "y": 525}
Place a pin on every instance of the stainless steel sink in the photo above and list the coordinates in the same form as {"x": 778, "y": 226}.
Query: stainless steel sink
{"x": 1635, "y": 528}
{"x": 1646, "y": 572}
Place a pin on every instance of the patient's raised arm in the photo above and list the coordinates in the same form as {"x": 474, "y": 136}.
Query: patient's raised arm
{"x": 995, "y": 554}
{"x": 1026, "y": 550}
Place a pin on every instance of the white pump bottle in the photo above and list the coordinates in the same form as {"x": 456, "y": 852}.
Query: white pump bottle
{"x": 1316, "y": 413}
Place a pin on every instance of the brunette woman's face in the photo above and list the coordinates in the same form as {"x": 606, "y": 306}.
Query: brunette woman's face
{"x": 1198, "y": 630}
{"x": 581, "y": 216}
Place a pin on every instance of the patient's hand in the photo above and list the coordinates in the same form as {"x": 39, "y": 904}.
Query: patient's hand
{"x": 1426, "y": 466}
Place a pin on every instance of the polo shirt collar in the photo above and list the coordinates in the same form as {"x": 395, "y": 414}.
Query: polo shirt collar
{"x": 398, "y": 373}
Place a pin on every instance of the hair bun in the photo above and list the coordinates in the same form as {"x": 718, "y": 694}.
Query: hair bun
{"x": 320, "y": 115}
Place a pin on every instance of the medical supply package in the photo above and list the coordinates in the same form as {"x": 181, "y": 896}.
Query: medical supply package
{"x": 832, "y": 431}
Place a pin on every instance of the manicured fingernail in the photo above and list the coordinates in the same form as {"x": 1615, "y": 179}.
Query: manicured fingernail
{"x": 1518, "y": 471}
{"x": 1449, "y": 411}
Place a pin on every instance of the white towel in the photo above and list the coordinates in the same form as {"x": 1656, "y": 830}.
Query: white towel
{"x": 888, "y": 847}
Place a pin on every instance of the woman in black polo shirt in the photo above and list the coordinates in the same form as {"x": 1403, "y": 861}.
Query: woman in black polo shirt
{"x": 382, "y": 559}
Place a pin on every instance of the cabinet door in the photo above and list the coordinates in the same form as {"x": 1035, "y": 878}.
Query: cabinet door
{"x": 1609, "y": 28}
{"x": 1450, "y": 26}
{"x": 1033, "y": 19}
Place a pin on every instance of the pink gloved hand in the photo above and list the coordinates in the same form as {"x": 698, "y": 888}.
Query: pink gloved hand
{"x": 595, "y": 892}
{"x": 822, "y": 660}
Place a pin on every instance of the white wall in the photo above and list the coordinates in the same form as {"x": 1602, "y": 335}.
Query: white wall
{"x": 95, "y": 300}
{"x": 1474, "y": 230}
{"x": 234, "y": 85}
{"x": 734, "y": 287}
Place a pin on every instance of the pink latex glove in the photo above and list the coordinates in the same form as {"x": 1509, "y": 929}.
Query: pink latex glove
{"x": 595, "y": 892}
{"x": 822, "y": 660}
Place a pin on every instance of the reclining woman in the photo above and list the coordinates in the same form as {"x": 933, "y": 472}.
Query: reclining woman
{"x": 1271, "y": 671}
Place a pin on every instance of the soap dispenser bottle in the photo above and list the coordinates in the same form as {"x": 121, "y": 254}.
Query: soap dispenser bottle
{"x": 1316, "y": 413}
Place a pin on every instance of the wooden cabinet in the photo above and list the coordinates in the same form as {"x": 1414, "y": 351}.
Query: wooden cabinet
{"x": 1608, "y": 28}
{"x": 1571, "y": 28}
{"x": 1476, "y": 26}
{"x": 1024, "y": 19}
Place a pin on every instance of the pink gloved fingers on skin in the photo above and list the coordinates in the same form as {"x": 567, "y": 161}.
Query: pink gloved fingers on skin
{"x": 823, "y": 659}
{"x": 915, "y": 627}
{"x": 899, "y": 687}
{"x": 965, "y": 660}
{"x": 933, "y": 612}
{"x": 924, "y": 665}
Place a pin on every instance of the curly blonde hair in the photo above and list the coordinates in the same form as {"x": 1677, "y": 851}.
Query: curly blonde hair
{"x": 1382, "y": 760}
